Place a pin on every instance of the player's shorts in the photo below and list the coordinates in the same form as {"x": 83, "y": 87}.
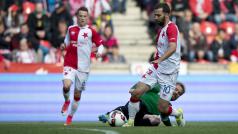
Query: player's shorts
{"x": 166, "y": 81}
{"x": 79, "y": 78}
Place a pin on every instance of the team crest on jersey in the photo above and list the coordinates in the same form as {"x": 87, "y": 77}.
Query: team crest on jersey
{"x": 85, "y": 35}
{"x": 72, "y": 33}
{"x": 163, "y": 34}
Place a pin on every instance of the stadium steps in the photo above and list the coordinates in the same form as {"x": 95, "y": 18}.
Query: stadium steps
{"x": 131, "y": 31}
{"x": 137, "y": 54}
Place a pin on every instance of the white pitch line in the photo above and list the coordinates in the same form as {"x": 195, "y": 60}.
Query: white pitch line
{"x": 101, "y": 130}
{"x": 97, "y": 130}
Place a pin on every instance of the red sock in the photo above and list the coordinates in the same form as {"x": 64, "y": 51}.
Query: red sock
{"x": 170, "y": 109}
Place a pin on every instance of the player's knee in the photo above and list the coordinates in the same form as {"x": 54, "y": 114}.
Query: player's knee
{"x": 77, "y": 95}
{"x": 162, "y": 108}
{"x": 76, "y": 98}
{"x": 66, "y": 89}
{"x": 66, "y": 86}
{"x": 136, "y": 93}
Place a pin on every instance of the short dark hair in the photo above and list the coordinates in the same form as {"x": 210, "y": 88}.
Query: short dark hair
{"x": 82, "y": 9}
{"x": 182, "y": 85}
{"x": 164, "y": 6}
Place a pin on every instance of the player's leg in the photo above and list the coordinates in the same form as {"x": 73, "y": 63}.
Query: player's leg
{"x": 147, "y": 81}
{"x": 165, "y": 119}
{"x": 134, "y": 103}
{"x": 80, "y": 82}
{"x": 154, "y": 120}
{"x": 168, "y": 110}
{"x": 74, "y": 107}
{"x": 68, "y": 78}
{"x": 168, "y": 84}
{"x": 144, "y": 119}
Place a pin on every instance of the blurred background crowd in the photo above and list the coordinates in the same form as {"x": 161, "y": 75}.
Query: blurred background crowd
{"x": 32, "y": 31}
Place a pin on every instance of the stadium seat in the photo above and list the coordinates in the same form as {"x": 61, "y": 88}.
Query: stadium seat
{"x": 209, "y": 29}
{"x": 28, "y": 8}
{"x": 229, "y": 27}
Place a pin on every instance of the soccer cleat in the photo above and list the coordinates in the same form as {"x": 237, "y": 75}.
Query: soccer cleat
{"x": 103, "y": 118}
{"x": 130, "y": 123}
{"x": 68, "y": 120}
{"x": 65, "y": 107}
{"x": 180, "y": 119}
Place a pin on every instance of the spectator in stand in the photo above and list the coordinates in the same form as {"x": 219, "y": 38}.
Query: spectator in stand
{"x": 234, "y": 38}
{"x": 27, "y": 9}
{"x": 75, "y": 4}
{"x": 224, "y": 10}
{"x": 234, "y": 54}
{"x": 40, "y": 26}
{"x": 58, "y": 39}
{"x": 50, "y": 5}
{"x": 116, "y": 57}
{"x": 201, "y": 9}
{"x": 25, "y": 54}
{"x": 221, "y": 46}
{"x": 201, "y": 56}
{"x": 24, "y": 33}
{"x": 119, "y": 6}
{"x": 96, "y": 7}
{"x": 5, "y": 4}
{"x": 13, "y": 20}
{"x": 44, "y": 46}
{"x": 54, "y": 57}
{"x": 2, "y": 14}
{"x": 109, "y": 40}
{"x": 38, "y": 22}
{"x": 178, "y": 11}
{"x": 221, "y": 57}
{"x": 198, "y": 46}
{"x": 186, "y": 25}
{"x": 184, "y": 47}
{"x": 5, "y": 40}
{"x": 146, "y": 7}
{"x": 103, "y": 21}
{"x": 60, "y": 13}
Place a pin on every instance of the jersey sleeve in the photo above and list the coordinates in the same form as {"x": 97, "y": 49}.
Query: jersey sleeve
{"x": 66, "y": 39}
{"x": 96, "y": 38}
{"x": 1, "y": 58}
{"x": 172, "y": 33}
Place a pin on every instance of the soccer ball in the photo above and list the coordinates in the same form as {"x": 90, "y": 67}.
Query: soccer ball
{"x": 116, "y": 118}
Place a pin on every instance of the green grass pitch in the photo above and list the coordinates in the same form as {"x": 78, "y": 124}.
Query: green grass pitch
{"x": 99, "y": 128}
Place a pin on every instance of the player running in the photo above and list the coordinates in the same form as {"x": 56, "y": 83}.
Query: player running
{"x": 78, "y": 44}
{"x": 164, "y": 69}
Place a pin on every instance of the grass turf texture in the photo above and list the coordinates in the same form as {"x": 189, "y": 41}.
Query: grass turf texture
{"x": 94, "y": 128}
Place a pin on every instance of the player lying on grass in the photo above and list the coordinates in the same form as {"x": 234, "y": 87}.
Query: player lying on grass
{"x": 149, "y": 114}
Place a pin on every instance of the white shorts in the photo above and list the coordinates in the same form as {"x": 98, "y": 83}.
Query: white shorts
{"x": 167, "y": 82}
{"x": 79, "y": 78}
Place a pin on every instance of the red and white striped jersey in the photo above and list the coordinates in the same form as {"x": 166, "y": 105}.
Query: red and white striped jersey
{"x": 79, "y": 42}
{"x": 168, "y": 33}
